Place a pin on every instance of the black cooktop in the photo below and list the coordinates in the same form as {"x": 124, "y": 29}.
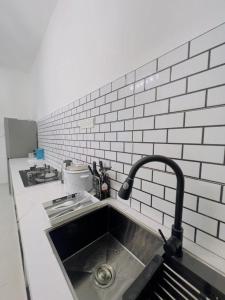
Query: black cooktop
{"x": 36, "y": 175}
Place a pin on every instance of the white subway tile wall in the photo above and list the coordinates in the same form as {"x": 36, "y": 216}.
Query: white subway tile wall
{"x": 173, "y": 106}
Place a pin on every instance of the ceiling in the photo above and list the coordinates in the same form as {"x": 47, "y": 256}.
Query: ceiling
{"x": 22, "y": 26}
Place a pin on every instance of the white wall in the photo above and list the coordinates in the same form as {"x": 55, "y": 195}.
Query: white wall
{"x": 15, "y": 102}
{"x": 89, "y": 43}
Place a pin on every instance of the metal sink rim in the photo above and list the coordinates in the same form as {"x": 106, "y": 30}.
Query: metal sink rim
{"x": 90, "y": 209}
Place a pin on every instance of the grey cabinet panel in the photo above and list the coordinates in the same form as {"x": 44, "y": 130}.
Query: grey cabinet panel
{"x": 21, "y": 137}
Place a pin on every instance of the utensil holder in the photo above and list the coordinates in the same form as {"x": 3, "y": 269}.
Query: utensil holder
{"x": 101, "y": 187}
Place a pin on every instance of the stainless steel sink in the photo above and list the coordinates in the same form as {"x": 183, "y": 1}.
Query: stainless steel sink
{"x": 102, "y": 252}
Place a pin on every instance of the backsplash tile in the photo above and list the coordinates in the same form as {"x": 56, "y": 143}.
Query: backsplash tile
{"x": 205, "y": 117}
{"x": 175, "y": 56}
{"x": 171, "y": 89}
{"x": 208, "y": 40}
{"x": 173, "y": 106}
{"x": 190, "y": 66}
{"x": 217, "y": 56}
{"x": 188, "y": 101}
{"x": 146, "y": 70}
{"x": 216, "y": 96}
{"x": 207, "y": 79}
{"x": 222, "y": 231}
{"x": 214, "y": 135}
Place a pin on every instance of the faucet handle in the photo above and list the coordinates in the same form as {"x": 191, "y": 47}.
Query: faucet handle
{"x": 163, "y": 236}
{"x": 172, "y": 246}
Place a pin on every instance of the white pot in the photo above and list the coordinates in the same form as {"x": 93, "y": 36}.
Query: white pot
{"x": 77, "y": 181}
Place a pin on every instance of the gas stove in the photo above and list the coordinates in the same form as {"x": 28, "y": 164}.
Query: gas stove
{"x": 36, "y": 175}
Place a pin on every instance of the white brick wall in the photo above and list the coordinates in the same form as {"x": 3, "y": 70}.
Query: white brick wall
{"x": 192, "y": 135}
{"x": 208, "y": 40}
{"x": 204, "y": 153}
{"x": 118, "y": 83}
{"x": 190, "y": 66}
{"x": 163, "y": 205}
{"x": 141, "y": 196}
{"x": 126, "y": 91}
{"x": 124, "y": 136}
{"x": 110, "y": 155}
{"x": 137, "y": 136}
{"x": 95, "y": 94}
{"x": 211, "y": 209}
{"x": 164, "y": 178}
{"x": 200, "y": 221}
{"x": 213, "y": 172}
{"x": 144, "y": 123}
{"x": 207, "y": 79}
{"x": 217, "y": 56}
{"x": 111, "y": 97}
{"x": 173, "y": 106}
{"x": 125, "y": 114}
{"x": 214, "y": 135}
{"x": 169, "y": 120}
{"x": 223, "y": 196}
{"x": 168, "y": 150}
{"x": 140, "y": 148}
{"x": 145, "y": 97}
{"x": 139, "y": 86}
{"x": 222, "y": 231}
{"x": 188, "y": 101}
{"x": 124, "y": 157}
{"x": 117, "y": 126}
{"x": 130, "y": 77}
{"x": 171, "y": 89}
{"x": 116, "y": 146}
{"x": 152, "y": 188}
{"x": 189, "y": 168}
{"x": 155, "y": 136}
{"x": 156, "y": 108}
{"x": 118, "y": 105}
{"x": 146, "y": 70}
{"x": 205, "y": 117}
{"x": 144, "y": 173}
{"x": 211, "y": 243}
{"x": 216, "y": 96}
{"x": 130, "y": 101}
{"x": 111, "y": 117}
{"x": 151, "y": 213}
{"x": 105, "y": 109}
{"x": 203, "y": 188}
{"x": 190, "y": 201}
{"x": 135, "y": 205}
{"x": 157, "y": 79}
{"x": 105, "y": 89}
{"x": 139, "y": 111}
{"x": 173, "y": 57}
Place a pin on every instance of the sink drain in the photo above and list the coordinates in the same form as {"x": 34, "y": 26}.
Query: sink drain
{"x": 104, "y": 275}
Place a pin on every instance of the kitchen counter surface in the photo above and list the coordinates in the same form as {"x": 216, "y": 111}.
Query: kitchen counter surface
{"x": 45, "y": 278}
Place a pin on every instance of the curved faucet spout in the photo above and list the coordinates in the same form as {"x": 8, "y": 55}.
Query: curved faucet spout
{"x": 126, "y": 189}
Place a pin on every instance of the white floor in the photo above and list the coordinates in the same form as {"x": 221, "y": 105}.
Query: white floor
{"x": 12, "y": 286}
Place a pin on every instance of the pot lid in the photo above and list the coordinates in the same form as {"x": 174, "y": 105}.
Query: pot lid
{"x": 77, "y": 167}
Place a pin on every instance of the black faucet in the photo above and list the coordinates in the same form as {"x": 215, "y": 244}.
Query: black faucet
{"x": 172, "y": 246}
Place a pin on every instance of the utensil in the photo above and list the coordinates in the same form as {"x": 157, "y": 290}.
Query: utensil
{"x": 73, "y": 208}
{"x": 90, "y": 169}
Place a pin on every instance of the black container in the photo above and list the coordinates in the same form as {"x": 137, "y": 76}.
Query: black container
{"x": 101, "y": 186}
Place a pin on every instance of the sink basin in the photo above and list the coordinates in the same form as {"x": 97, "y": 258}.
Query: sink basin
{"x": 102, "y": 252}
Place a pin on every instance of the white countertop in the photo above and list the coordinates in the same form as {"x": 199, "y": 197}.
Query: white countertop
{"x": 45, "y": 277}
